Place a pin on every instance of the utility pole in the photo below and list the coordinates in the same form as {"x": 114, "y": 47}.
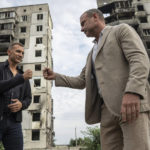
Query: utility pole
{"x": 76, "y": 136}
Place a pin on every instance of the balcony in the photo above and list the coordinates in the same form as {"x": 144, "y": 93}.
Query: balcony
{"x": 140, "y": 14}
{"x": 6, "y": 33}
{"x": 10, "y": 20}
{"x": 116, "y": 6}
{"x": 7, "y": 15}
{"x": 4, "y": 43}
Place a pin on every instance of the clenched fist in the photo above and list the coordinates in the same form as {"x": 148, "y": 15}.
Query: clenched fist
{"x": 27, "y": 74}
{"x": 49, "y": 74}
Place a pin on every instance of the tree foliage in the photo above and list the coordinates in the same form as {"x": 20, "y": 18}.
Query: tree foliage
{"x": 76, "y": 142}
{"x": 1, "y": 146}
{"x": 91, "y": 139}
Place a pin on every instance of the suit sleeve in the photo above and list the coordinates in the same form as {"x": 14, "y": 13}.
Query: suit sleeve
{"x": 137, "y": 58}
{"x": 71, "y": 82}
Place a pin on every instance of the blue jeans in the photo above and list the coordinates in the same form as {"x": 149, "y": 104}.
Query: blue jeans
{"x": 11, "y": 133}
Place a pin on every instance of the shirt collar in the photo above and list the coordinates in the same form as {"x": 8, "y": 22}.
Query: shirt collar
{"x": 100, "y": 35}
{"x": 6, "y": 64}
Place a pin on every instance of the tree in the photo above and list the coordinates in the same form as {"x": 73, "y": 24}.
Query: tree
{"x": 79, "y": 141}
{"x": 1, "y": 146}
{"x": 92, "y": 138}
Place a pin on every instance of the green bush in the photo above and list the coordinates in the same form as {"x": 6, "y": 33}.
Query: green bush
{"x": 1, "y": 146}
{"x": 91, "y": 140}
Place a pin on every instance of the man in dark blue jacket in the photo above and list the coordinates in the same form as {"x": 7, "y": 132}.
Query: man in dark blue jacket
{"x": 15, "y": 96}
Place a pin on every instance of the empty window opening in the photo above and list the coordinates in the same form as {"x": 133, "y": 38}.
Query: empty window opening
{"x": 7, "y": 15}
{"x": 143, "y": 19}
{"x": 148, "y": 45}
{"x": 36, "y": 116}
{"x": 35, "y": 135}
{"x": 39, "y": 16}
{"x": 6, "y": 26}
{"x": 23, "y": 29}
{"x": 140, "y": 8}
{"x": 24, "y": 18}
{"x": 38, "y": 67}
{"x": 39, "y": 40}
{"x": 3, "y": 51}
{"x": 39, "y": 28}
{"x": 38, "y": 53}
{"x": 146, "y": 31}
{"x": 37, "y": 82}
{"x": 122, "y": 4}
{"x": 5, "y": 38}
{"x": 36, "y": 99}
{"x": 117, "y": 5}
{"x": 22, "y": 41}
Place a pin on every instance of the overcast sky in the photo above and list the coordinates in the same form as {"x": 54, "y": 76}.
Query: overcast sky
{"x": 70, "y": 49}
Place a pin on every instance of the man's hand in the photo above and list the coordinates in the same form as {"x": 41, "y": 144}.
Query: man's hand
{"x": 49, "y": 74}
{"x": 15, "y": 106}
{"x": 27, "y": 74}
{"x": 130, "y": 107}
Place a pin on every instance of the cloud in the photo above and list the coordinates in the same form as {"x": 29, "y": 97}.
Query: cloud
{"x": 5, "y": 3}
{"x": 71, "y": 48}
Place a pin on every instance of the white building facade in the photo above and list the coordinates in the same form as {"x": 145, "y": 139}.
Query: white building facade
{"x": 31, "y": 25}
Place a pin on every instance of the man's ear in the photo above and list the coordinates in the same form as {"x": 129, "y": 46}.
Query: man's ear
{"x": 95, "y": 15}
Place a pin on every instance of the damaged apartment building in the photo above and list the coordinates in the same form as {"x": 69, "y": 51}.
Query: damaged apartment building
{"x": 31, "y": 25}
{"x": 133, "y": 12}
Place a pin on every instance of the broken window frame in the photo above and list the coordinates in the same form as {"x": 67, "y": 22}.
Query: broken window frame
{"x": 23, "y": 29}
{"x": 143, "y": 19}
{"x": 35, "y": 135}
{"x": 39, "y": 28}
{"x": 148, "y": 44}
{"x": 38, "y": 53}
{"x": 39, "y": 40}
{"x": 22, "y": 41}
{"x": 24, "y": 18}
{"x": 38, "y": 67}
{"x": 36, "y": 116}
{"x": 37, "y": 82}
{"x": 6, "y": 26}
{"x": 36, "y": 98}
{"x": 39, "y": 16}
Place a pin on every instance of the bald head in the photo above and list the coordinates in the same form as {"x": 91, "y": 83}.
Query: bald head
{"x": 90, "y": 13}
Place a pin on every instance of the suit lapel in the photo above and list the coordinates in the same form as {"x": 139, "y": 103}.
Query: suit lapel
{"x": 89, "y": 65}
{"x": 104, "y": 37}
{"x": 100, "y": 45}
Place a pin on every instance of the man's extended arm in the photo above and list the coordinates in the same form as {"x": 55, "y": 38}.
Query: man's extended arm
{"x": 66, "y": 81}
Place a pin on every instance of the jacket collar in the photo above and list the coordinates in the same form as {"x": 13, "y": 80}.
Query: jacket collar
{"x": 6, "y": 64}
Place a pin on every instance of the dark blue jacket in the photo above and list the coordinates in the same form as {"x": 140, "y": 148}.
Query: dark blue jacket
{"x": 7, "y": 84}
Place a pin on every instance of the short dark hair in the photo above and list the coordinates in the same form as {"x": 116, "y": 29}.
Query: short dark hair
{"x": 13, "y": 44}
{"x": 90, "y": 13}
